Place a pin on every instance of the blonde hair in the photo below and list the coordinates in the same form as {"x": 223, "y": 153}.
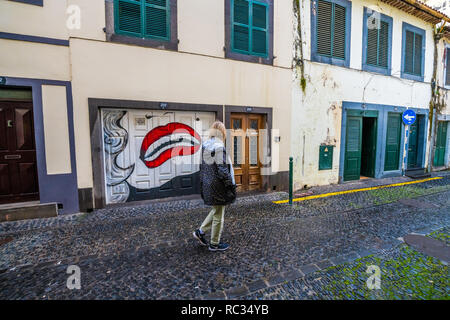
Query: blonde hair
{"x": 218, "y": 130}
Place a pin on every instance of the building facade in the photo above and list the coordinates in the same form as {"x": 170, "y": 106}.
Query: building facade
{"x": 361, "y": 65}
{"x": 116, "y": 95}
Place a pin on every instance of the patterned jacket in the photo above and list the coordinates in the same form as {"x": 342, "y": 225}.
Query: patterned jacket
{"x": 217, "y": 184}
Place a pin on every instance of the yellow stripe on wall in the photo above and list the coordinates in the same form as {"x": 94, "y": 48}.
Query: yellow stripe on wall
{"x": 356, "y": 190}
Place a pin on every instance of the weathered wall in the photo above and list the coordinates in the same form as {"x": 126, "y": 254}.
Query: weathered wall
{"x": 317, "y": 113}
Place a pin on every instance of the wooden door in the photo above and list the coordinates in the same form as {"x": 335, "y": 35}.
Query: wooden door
{"x": 245, "y": 147}
{"x": 352, "y": 165}
{"x": 18, "y": 169}
{"x": 413, "y": 145}
{"x": 393, "y": 138}
{"x": 441, "y": 141}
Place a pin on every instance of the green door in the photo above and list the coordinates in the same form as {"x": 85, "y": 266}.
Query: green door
{"x": 352, "y": 164}
{"x": 393, "y": 138}
{"x": 412, "y": 145}
{"x": 441, "y": 141}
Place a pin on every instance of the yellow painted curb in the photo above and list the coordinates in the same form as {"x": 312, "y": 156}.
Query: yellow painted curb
{"x": 324, "y": 195}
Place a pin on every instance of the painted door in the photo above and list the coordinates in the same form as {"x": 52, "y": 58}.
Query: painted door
{"x": 413, "y": 145}
{"x": 393, "y": 138}
{"x": 441, "y": 141}
{"x": 245, "y": 145}
{"x": 150, "y": 154}
{"x": 352, "y": 165}
{"x": 18, "y": 168}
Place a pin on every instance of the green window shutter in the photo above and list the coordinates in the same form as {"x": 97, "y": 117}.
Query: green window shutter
{"x": 331, "y": 22}
{"x": 441, "y": 141}
{"x": 157, "y": 18}
{"x": 372, "y": 46}
{"x": 129, "y": 16}
{"x": 447, "y": 68}
{"x": 383, "y": 47}
{"x": 324, "y": 25}
{"x": 378, "y": 45}
{"x": 393, "y": 137}
{"x": 409, "y": 52}
{"x": 259, "y": 30}
{"x": 339, "y": 32}
{"x": 241, "y": 20}
{"x": 417, "y": 54}
{"x": 143, "y": 18}
{"x": 249, "y": 27}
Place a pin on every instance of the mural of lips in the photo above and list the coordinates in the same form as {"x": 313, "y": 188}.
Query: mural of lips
{"x": 165, "y": 142}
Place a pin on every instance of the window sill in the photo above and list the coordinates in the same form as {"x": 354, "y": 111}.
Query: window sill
{"x": 144, "y": 42}
{"x": 329, "y": 60}
{"x": 248, "y": 58}
{"x": 412, "y": 77}
{"x": 370, "y": 68}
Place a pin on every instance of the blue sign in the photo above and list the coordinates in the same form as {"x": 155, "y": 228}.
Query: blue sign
{"x": 409, "y": 117}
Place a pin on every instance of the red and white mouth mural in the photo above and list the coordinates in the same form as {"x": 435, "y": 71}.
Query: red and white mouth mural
{"x": 165, "y": 142}
{"x": 141, "y": 160}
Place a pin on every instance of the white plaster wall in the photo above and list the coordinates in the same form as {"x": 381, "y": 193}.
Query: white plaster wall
{"x": 317, "y": 113}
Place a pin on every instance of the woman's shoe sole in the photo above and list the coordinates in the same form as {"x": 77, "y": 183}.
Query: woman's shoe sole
{"x": 199, "y": 240}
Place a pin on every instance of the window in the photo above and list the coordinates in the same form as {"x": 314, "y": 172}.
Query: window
{"x": 447, "y": 67}
{"x": 377, "y": 42}
{"x": 248, "y": 30}
{"x": 413, "y": 52}
{"x": 330, "y": 31}
{"x": 249, "y": 27}
{"x": 143, "y": 18}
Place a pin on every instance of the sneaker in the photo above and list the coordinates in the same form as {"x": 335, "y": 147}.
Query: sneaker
{"x": 218, "y": 247}
{"x": 200, "y": 237}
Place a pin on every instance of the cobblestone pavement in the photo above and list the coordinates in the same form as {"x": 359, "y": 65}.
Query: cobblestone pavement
{"x": 147, "y": 251}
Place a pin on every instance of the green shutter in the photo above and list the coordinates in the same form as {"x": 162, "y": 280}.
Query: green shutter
{"x": 352, "y": 164}
{"x": 324, "y": 25}
{"x": 339, "y": 32}
{"x": 417, "y": 54}
{"x": 447, "y": 67}
{"x": 393, "y": 138}
{"x": 413, "y": 53}
{"x": 129, "y": 16}
{"x": 143, "y": 18}
{"x": 331, "y": 22}
{"x": 383, "y": 47}
{"x": 441, "y": 141}
{"x": 249, "y": 27}
{"x": 156, "y": 18}
{"x": 259, "y": 30}
{"x": 409, "y": 52}
{"x": 372, "y": 46}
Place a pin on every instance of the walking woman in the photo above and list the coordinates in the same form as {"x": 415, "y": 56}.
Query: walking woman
{"x": 217, "y": 186}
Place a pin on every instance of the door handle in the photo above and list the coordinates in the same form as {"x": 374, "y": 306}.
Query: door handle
{"x": 10, "y": 124}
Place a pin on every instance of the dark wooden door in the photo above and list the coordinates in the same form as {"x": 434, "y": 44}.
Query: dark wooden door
{"x": 441, "y": 141}
{"x": 245, "y": 146}
{"x": 352, "y": 165}
{"x": 18, "y": 170}
{"x": 413, "y": 143}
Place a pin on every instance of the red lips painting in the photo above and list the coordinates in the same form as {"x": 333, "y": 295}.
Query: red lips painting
{"x": 165, "y": 142}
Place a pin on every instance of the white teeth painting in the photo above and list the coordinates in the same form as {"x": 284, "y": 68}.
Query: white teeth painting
{"x": 152, "y": 154}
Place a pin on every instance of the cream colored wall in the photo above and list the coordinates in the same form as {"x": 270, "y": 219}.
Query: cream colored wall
{"x": 317, "y": 113}
{"x": 34, "y": 60}
{"x": 197, "y": 73}
{"x": 444, "y": 90}
{"x": 56, "y": 129}
{"x": 156, "y": 75}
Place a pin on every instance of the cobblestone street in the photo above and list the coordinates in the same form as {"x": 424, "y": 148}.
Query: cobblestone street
{"x": 316, "y": 249}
